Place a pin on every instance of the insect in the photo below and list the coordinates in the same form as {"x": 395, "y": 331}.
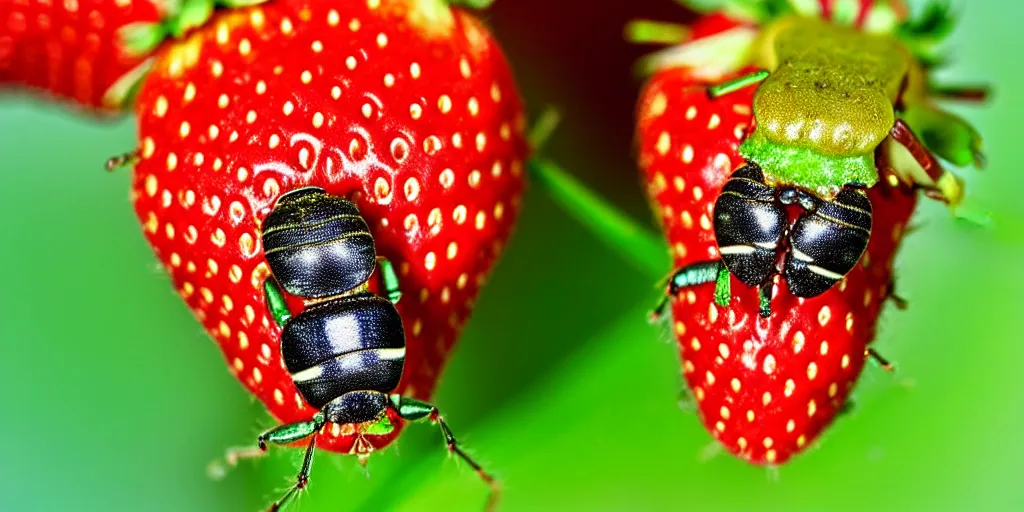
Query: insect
{"x": 422, "y": 132}
{"x": 769, "y": 367}
{"x": 346, "y": 350}
{"x": 833, "y": 106}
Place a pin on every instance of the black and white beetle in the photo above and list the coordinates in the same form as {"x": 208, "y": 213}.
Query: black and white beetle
{"x": 751, "y": 227}
{"x": 345, "y": 351}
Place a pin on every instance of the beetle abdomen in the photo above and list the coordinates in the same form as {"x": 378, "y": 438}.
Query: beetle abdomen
{"x": 317, "y": 245}
{"x": 749, "y": 223}
{"x": 346, "y": 344}
{"x": 827, "y": 243}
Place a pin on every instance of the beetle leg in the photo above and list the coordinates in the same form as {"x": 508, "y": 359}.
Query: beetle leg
{"x": 389, "y": 279}
{"x": 301, "y": 481}
{"x": 719, "y": 90}
{"x": 890, "y": 294}
{"x": 121, "y": 161}
{"x": 690, "y": 275}
{"x": 290, "y": 433}
{"x": 276, "y": 303}
{"x": 883, "y": 362}
{"x": 218, "y": 468}
{"x": 939, "y": 183}
{"x": 411, "y": 409}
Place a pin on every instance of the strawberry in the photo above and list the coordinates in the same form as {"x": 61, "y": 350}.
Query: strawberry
{"x": 74, "y": 50}
{"x": 765, "y": 387}
{"x": 406, "y": 107}
{"x": 771, "y": 370}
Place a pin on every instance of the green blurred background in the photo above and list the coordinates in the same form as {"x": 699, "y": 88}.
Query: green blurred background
{"x": 114, "y": 399}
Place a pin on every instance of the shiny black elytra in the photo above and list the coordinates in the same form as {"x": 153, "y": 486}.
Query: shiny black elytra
{"x": 827, "y": 242}
{"x": 749, "y": 224}
{"x": 750, "y": 221}
{"x": 345, "y": 351}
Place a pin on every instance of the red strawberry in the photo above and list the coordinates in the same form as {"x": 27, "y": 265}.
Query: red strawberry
{"x": 765, "y": 387}
{"x": 407, "y": 107}
{"x": 73, "y": 49}
{"x": 768, "y": 386}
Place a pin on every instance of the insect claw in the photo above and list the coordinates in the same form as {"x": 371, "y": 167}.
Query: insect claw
{"x": 883, "y": 362}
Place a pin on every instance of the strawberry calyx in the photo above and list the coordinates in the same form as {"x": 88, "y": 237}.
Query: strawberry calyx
{"x": 141, "y": 39}
{"x": 733, "y": 26}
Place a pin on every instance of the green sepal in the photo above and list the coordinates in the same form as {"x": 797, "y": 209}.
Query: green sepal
{"x": 380, "y": 427}
{"x": 472, "y": 4}
{"x": 126, "y": 88}
{"x": 723, "y": 289}
{"x": 237, "y": 4}
{"x": 193, "y": 13}
{"x": 802, "y": 167}
{"x": 755, "y": 10}
{"x": 656, "y": 32}
{"x": 923, "y": 35}
{"x": 411, "y": 409}
{"x": 947, "y": 135}
{"x": 140, "y": 39}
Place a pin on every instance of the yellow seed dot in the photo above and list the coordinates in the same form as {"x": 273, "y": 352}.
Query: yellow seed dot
{"x": 444, "y": 103}
{"x": 160, "y": 108}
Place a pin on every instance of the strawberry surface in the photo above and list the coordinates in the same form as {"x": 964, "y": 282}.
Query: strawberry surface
{"x": 765, "y": 387}
{"x": 71, "y": 49}
{"x": 406, "y": 107}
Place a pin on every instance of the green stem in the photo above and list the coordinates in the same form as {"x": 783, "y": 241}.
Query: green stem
{"x": 634, "y": 242}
